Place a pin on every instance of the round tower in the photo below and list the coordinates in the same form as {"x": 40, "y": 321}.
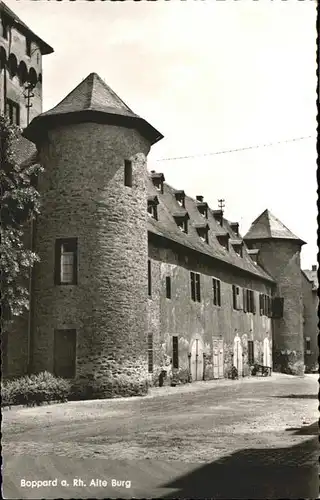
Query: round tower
{"x": 279, "y": 255}
{"x": 90, "y": 287}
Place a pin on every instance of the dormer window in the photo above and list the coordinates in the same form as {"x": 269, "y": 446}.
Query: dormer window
{"x": 180, "y": 197}
{"x": 153, "y": 203}
{"x": 202, "y": 230}
{"x": 254, "y": 252}
{"x": 218, "y": 215}
{"x": 157, "y": 180}
{"x": 182, "y": 221}
{"x": 235, "y": 227}
{"x": 224, "y": 240}
{"x": 237, "y": 247}
{"x": 203, "y": 208}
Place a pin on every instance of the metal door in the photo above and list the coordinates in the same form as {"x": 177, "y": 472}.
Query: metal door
{"x": 197, "y": 359}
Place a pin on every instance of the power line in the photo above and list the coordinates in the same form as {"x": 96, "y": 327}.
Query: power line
{"x": 236, "y": 150}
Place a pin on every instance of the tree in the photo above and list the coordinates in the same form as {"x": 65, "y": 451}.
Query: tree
{"x": 19, "y": 205}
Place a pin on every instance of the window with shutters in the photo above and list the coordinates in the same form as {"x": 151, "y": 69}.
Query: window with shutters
{"x": 250, "y": 301}
{"x": 175, "y": 352}
{"x": 250, "y": 352}
{"x": 65, "y": 353}
{"x": 195, "y": 286}
{"x": 28, "y": 47}
{"x": 149, "y": 278}
{"x": 245, "y": 300}
{"x": 216, "y": 286}
{"x": 235, "y": 297}
{"x": 66, "y": 269}
{"x": 168, "y": 287}
{"x": 128, "y": 173}
{"x": 150, "y": 352}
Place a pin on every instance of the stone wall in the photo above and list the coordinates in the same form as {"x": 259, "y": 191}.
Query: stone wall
{"x": 84, "y": 196}
{"x": 281, "y": 258}
{"x": 181, "y": 316}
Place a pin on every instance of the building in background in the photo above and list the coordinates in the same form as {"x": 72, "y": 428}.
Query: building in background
{"x": 21, "y": 53}
{"x": 135, "y": 276}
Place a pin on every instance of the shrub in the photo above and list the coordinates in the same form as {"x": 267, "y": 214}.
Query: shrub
{"x": 112, "y": 387}
{"x": 180, "y": 376}
{"x": 34, "y": 390}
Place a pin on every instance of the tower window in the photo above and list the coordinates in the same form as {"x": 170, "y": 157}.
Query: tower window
{"x": 128, "y": 173}
{"x": 150, "y": 352}
{"x": 149, "y": 278}
{"x": 195, "y": 286}
{"x": 308, "y": 345}
{"x": 13, "y": 112}
{"x": 65, "y": 342}
{"x": 175, "y": 352}
{"x": 168, "y": 287}
{"x": 28, "y": 47}
{"x": 66, "y": 261}
{"x": 216, "y": 285}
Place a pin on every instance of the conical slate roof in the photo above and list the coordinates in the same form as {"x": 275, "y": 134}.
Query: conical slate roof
{"x": 267, "y": 226}
{"x": 92, "y": 100}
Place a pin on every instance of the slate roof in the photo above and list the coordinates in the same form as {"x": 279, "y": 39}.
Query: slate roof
{"x": 44, "y": 47}
{"x": 92, "y": 100}
{"x": 312, "y": 276}
{"x": 267, "y": 226}
{"x": 166, "y": 227}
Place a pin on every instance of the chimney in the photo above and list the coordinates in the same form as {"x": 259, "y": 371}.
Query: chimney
{"x": 314, "y": 267}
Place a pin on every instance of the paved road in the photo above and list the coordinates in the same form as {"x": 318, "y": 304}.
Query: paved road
{"x": 253, "y": 438}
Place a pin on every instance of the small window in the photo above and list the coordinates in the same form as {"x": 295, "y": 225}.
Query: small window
{"x": 13, "y": 112}
{"x": 216, "y": 292}
{"x": 152, "y": 211}
{"x": 128, "y": 173}
{"x": 250, "y": 352}
{"x": 4, "y": 30}
{"x": 150, "y": 352}
{"x": 183, "y": 225}
{"x": 66, "y": 261}
{"x": 149, "y": 278}
{"x": 235, "y": 296}
{"x": 65, "y": 353}
{"x": 195, "y": 286}
{"x": 175, "y": 352}
{"x": 168, "y": 287}
{"x": 28, "y": 47}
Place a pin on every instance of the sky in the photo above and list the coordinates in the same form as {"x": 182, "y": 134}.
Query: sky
{"x": 211, "y": 76}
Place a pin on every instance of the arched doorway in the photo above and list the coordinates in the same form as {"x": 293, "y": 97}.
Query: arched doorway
{"x": 266, "y": 353}
{"x": 217, "y": 353}
{"x": 196, "y": 360}
{"x": 237, "y": 354}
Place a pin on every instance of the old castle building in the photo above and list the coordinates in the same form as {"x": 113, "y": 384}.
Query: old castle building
{"x": 136, "y": 276}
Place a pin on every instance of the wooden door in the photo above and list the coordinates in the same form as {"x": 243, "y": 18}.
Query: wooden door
{"x": 217, "y": 361}
{"x": 237, "y": 354}
{"x": 65, "y": 353}
{"x": 266, "y": 353}
{"x": 197, "y": 359}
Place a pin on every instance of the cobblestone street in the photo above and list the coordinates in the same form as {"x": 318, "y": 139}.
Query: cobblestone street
{"x": 252, "y": 438}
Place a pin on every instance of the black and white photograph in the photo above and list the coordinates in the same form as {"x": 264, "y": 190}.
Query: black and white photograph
{"x": 159, "y": 258}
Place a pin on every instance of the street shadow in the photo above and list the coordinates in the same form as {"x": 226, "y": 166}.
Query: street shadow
{"x": 298, "y": 396}
{"x": 255, "y": 474}
{"x": 306, "y": 430}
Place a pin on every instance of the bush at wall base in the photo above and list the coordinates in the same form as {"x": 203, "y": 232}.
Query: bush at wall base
{"x": 110, "y": 387}
{"x": 34, "y": 390}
